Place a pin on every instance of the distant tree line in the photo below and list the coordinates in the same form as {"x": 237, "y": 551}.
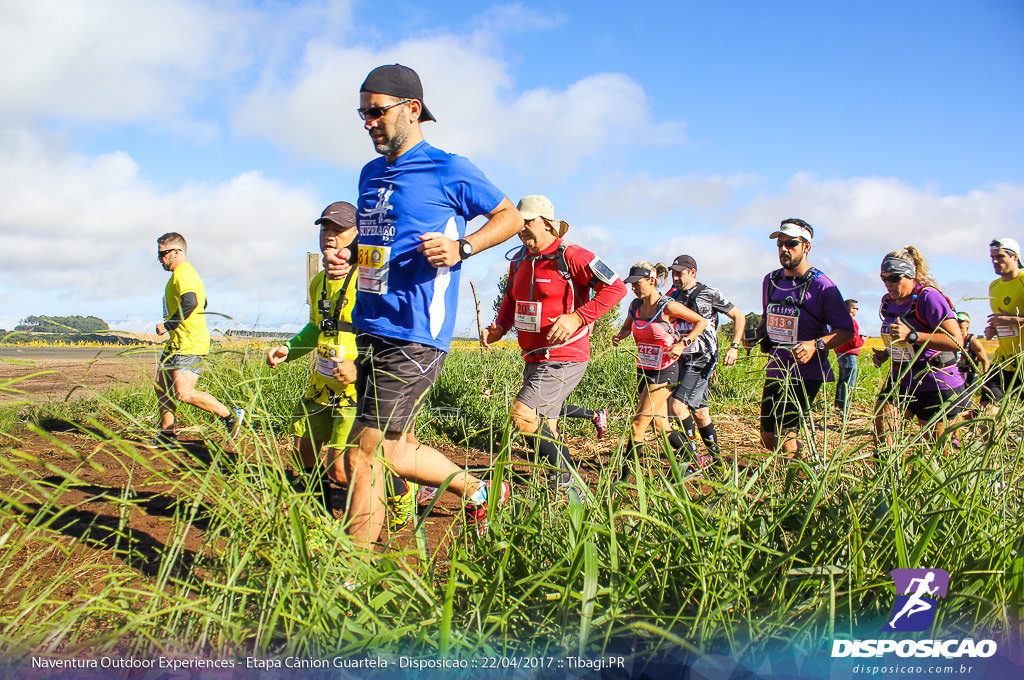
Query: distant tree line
{"x": 62, "y": 324}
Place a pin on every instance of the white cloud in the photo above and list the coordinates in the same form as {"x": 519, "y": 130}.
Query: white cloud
{"x": 872, "y": 215}
{"x": 86, "y": 228}
{"x": 545, "y": 133}
{"x": 113, "y": 59}
{"x": 645, "y": 197}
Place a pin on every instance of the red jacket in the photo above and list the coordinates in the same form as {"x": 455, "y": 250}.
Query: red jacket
{"x": 536, "y": 279}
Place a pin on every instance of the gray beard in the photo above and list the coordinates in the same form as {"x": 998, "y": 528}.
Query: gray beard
{"x": 392, "y": 146}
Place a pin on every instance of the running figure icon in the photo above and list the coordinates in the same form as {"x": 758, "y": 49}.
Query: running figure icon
{"x": 915, "y": 605}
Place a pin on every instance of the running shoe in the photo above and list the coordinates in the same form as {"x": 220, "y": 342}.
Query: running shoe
{"x": 566, "y": 493}
{"x": 476, "y": 515}
{"x": 426, "y": 494}
{"x": 233, "y": 421}
{"x": 162, "y": 440}
{"x": 600, "y": 421}
{"x": 402, "y": 507}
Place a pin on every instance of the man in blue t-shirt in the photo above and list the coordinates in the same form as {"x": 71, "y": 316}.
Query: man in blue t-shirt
{"x": 803, "y": 317}
{"x": 414, "y": 203}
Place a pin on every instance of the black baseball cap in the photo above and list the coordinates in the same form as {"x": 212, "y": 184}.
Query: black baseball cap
{"x": 683, "y": 262}
{"x": 397, "y": 81}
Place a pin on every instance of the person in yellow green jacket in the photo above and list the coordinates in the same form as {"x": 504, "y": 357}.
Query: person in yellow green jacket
{"x": 324, "y": 416}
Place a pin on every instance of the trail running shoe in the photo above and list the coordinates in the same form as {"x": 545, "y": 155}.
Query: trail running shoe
{"x": 402, "y": 507}
{"x": 233, "y": 421}
{"x": 476, "y": 515}
{"x": 163, "y": 440}
{"x": 600, "y": 421}
{"x": 426, "y": 494}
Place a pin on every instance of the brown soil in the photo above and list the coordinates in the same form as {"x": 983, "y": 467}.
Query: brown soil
{"x": 29, "y": 375}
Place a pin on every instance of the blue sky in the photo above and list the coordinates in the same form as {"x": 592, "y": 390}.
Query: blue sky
{"x": 656, "y": 129}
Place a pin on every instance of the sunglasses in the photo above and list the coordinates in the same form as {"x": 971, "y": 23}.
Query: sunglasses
{"x": 375, "y": 112}
{"x": 790, "y": 244}
{"x": 161, "y": 254}
{"x": 890, "y": 278}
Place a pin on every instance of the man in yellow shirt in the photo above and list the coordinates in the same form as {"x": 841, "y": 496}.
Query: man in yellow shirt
{"x": 189, "y": 343}
{"x": 1006, "y": 296}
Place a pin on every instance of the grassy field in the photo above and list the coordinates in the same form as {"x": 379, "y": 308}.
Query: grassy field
{"x": 772, "y": 554}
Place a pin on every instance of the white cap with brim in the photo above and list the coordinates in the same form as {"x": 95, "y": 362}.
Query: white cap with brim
{"x": 533, "y": 206}
{"x": 1007, "y": 244}
{"x": 791, "y": 230}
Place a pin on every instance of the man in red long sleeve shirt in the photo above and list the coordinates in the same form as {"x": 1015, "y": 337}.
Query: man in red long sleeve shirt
{"x": 548, "y": 301}
{"x": 846, "y": 357}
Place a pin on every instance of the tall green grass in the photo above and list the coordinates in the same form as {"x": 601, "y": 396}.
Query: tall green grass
{"x": 779, "y": 552}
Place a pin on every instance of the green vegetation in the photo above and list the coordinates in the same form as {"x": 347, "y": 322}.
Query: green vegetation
{"x": 62, "y": 324}
{"x": 776, "y": 553}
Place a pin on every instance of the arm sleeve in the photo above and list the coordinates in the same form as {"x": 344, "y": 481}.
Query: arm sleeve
{"x": 303, "y": 343}
{"x": 188, "y": 304}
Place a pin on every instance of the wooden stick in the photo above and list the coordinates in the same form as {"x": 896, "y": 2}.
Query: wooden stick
{"x": 479, "y": 327}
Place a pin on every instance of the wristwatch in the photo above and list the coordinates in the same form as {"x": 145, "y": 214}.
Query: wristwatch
{"x": 465, "y": 249}
{"x": 913, "y": 337}
{"x": 734, "y": 345}
{"x": 819, "y": 343}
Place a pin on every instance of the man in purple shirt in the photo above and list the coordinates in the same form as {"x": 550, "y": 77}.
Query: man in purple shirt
{"x": 803, "y": 317}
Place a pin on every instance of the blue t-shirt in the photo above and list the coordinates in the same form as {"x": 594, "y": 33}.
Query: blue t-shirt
{"x": 401, "y": 295}
{"x": 821, "y": 313}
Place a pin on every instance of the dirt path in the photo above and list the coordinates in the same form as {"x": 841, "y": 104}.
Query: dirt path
{"x": 33, "y": 373}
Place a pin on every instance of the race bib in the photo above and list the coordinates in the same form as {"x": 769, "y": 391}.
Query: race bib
{"x": 528, "y": 316}
{"x": 374, "y": 262}
{"x": 900, "y": 351}
{"x": 1007, "y": 331}
{"x": 328, "y": 348}
{"x": 649, "y": 356}
{"x": 782, "y": 328}
{"x": 692, "y": 348}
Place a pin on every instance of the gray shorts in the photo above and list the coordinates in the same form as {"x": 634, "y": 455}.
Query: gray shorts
{"x": 182, "y": 362}
{"x": 692, "y": 389}
{"x": 547, "y": 384}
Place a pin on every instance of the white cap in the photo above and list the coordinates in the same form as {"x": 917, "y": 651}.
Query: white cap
{"x": 1007, "y": 244}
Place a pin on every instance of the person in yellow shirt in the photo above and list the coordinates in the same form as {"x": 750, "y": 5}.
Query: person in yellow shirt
{"x": 324, "y": 416}
{"x": 189, "y": 343}
{"x": 1006, "y": 296}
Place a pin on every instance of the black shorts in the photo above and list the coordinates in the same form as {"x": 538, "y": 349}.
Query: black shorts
{"x": 926, "y": 404}
{"x": 785, "y": 403}
{"x": 998, "y": 383}
{"x": 656, "y": 376}
{"x": 392, "y": 379}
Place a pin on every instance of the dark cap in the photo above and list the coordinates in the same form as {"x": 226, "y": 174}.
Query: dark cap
{"x": 637, "y": 273}
{"x": 683, "y": 262}
{"x": 398, "y": 81}
{"x": 342, "y": 214}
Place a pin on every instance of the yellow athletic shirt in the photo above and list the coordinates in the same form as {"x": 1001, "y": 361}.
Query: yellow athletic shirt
{"x": 1007, "y": 297}
{"x": 192, "y": 335}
